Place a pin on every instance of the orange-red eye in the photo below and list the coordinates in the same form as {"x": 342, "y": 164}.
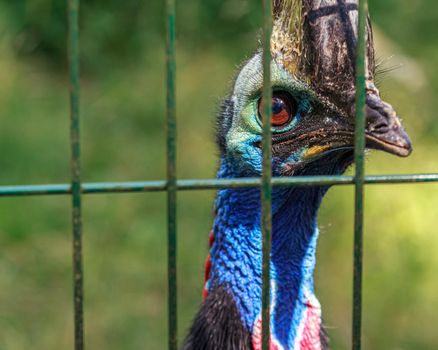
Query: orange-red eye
{"x": 284, "y": 108}
{"x": 280, "y": 112}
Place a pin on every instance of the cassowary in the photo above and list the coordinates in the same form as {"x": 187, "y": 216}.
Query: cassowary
{"x": 313, "y": 46}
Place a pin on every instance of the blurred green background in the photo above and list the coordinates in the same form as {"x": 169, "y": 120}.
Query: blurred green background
{"x": 123, "y": 101}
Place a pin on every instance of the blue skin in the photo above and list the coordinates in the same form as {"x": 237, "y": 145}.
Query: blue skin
{"x": 236, "y": 254}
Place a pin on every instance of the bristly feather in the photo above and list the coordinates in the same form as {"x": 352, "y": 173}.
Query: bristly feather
{"x": 382, "y": 69}
{"x": 218, "y": 325}
{"x": 223, "y": 123}
{"x": 287, "y": 34}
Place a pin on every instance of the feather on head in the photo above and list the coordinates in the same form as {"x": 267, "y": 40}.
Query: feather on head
{"x": 315, "y": 41}
{"x": 287, "y": 34}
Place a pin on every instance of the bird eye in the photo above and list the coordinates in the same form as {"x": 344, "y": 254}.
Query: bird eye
{"x": 284, "y": 109}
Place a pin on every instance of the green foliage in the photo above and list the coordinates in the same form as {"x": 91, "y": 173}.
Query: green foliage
{"x": 115, "y": 30}
{"x": 413, "y": 25}
{"x": 122, "y": 111}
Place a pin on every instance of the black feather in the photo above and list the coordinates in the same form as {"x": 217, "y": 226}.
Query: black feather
{"x": 218, "y": 326}
{"x": 224, "y": 122}
{"x": 324, "y": 339}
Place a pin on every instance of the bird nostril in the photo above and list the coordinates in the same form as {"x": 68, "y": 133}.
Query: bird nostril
{"x": 380, "y": 128}
{"x": 378, "y": 120}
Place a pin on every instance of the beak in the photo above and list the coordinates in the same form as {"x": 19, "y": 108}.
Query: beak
{"x": 324, "y": 133}
{"x": 384, "y": 130}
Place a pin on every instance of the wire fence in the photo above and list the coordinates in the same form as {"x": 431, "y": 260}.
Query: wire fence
{"x": 172, "y": 185}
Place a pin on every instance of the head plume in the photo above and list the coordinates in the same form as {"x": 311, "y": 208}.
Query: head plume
{"x": 315, "y": 41}
{"x": 287, "y": 35}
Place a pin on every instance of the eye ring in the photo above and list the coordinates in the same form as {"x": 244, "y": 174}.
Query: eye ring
{"x": 284, "y": 109}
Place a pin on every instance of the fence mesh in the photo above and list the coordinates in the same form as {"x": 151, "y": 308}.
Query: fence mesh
{"x": 172, "y": 185}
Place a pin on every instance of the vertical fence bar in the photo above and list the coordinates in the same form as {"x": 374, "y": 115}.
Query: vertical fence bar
{"x": 73, "y": 56}
{"x": 266, "y": 192}
{"x": 359, "y": 177}
{"x": 171, "y": 172}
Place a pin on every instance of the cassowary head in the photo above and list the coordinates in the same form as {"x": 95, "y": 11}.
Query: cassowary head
{"x": 313, "y": 47}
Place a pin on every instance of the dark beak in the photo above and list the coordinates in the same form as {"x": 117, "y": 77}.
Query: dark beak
{"x": 384, "y": 130}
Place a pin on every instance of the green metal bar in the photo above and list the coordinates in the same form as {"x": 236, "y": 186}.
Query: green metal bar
{"x": 266, "y": 191}
{"x": 73, "y": 55}
{"x": 210, "y": 184}
{"x": 359, "y": 155}
{"x": 171, "y": 173}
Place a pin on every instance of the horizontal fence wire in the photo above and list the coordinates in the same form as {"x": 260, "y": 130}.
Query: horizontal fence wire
{"x": 210, "y": 184}
{"x": 359, "y": 178}
{"x": 75, "y": 190}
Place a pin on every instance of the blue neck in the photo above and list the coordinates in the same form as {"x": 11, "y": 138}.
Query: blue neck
{"x": 236, "y": 254}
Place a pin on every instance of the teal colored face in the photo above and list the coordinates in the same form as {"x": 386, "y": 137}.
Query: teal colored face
{"x": 295, "y": 106}
{"x": 311, "y": 131}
